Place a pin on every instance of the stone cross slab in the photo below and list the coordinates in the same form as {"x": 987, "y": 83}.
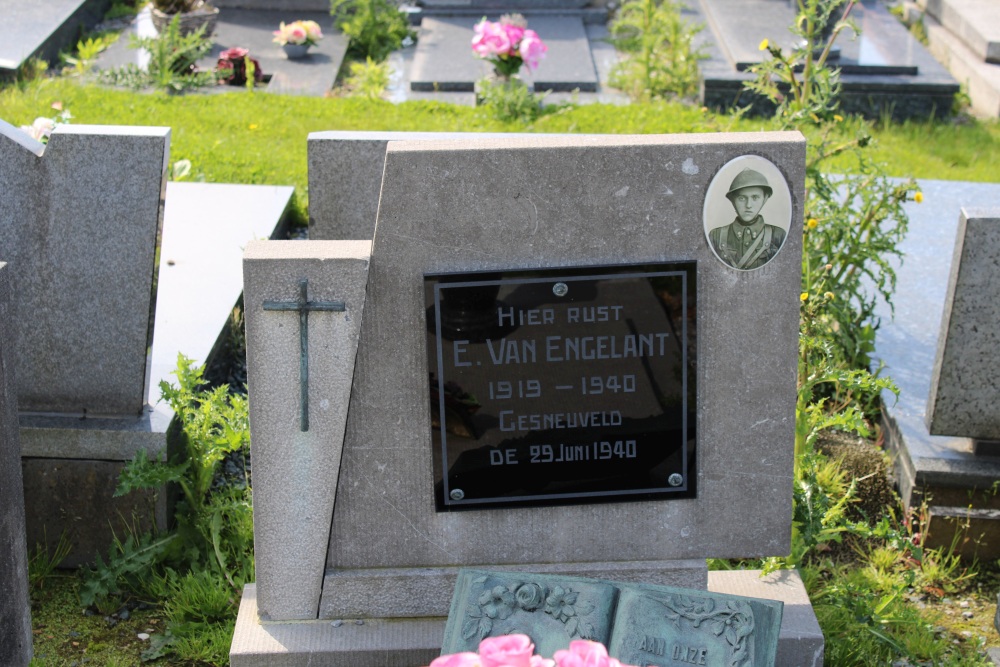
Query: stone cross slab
{"x": 303, "y": 306}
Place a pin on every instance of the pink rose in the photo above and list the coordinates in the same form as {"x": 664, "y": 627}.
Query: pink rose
{"x": 490, "y": 40}
{"x": 539, "y": 661}
{"x": 234, "y": 53}
{"x": 507, "y": 651}
{"x": 457, "y": 660}
{"x": 532, "y": 49}
{"x": 583, "y": 653}
{"x": 514, "y": 33}
{"x": 297, "y": 34}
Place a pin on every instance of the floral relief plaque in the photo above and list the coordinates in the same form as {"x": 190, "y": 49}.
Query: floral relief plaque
{"x": 573, "y": 385}
{"x": 640, "y": 624}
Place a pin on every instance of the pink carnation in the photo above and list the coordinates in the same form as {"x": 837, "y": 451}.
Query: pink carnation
{"x": 457, "y": 660}
{"x": 507, "y": 651}
{"x": 583, "y": 653}
{"x": 491, "y": 40}
{"x": 532, "y": 49}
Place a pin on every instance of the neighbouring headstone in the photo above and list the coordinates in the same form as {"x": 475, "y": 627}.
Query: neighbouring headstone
{"x": 883, "y": 70}
{"x": 640, "y": 624}
{"x": 517, "y": 293}
{"x": 79, "y": 227}
{"x": 15, "y": 609}
{"x": 964, "y": 396}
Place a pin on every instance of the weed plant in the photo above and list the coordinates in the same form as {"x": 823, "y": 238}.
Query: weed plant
{"x": 198, "y": 567}
{"x": 661, "y": 58}
{"x": 376, "y": 28}
{"x": 172, "y": 64}
{"x": 368, "y": 79}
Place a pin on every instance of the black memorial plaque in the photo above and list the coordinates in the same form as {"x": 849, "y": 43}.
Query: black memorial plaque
{"x": 559, "y": 386}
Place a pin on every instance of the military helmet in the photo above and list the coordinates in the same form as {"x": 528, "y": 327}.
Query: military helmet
{"x": 749, "y": 178}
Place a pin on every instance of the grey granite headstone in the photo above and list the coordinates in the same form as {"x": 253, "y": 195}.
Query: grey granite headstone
{"x": 964, "y": 396}
{"x": 519, "y": 202}
{"x": 15, "y": 610}
{"x": 79, "y": 221}
{"x": 640, "y": 624}
{"x": 975, "y": 22}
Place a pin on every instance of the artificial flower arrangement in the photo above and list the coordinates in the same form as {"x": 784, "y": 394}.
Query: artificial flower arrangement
{"x": 42, "y": 128}
{"x": 518, "y": 651}
{"x": 508, "y": 44}
{"x": 232, "y": 67}
{"x": 299, "y": 33}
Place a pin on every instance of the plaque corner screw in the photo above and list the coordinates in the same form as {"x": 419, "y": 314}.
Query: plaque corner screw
{"x": 560, "y": 289}
{"x": 457, "y": 494}
{"x": 676, "y": 479}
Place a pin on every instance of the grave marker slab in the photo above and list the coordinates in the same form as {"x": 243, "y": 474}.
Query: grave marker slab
{"x": 15, "y": 607}
{"x": 963, "y": 398}
{"x": 524, "y": 204}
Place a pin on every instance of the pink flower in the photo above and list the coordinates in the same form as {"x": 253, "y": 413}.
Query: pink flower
{"x": 539, "y": 661}
{"x": 490, "y": 40}
{"x": 234, "y": 53}
{"x": 507, "y": 651}
{"x": 514, "y": 33}
{"x": 583, "y": 653}
{"x": 457, "y": 660}
{"x": 532, "y": 49}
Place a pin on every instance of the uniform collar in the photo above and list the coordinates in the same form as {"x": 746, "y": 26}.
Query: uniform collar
{"x": 754, "y": 228}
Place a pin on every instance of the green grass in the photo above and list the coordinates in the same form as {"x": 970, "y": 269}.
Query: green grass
{"x": 261, "y": 138}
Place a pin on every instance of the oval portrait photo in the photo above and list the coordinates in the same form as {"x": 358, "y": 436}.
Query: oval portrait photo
{"x": 747, "y": 212}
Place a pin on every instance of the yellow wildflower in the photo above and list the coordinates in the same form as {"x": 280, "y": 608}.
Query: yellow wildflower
{"x": 919, "y": 197}
{"x": 837, "y": 117}
{"x": 829, "y": 295}
{"x": 812, "y": 223}
{"x": 254, "y": 126}
{"x": 763, "y": 45}
{"x": 804, "y": 296}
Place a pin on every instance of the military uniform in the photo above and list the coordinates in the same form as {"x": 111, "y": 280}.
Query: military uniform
{"x": 744, "y": 246}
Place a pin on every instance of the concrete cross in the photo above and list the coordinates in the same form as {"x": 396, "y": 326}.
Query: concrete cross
{"x": 303, "y": 306}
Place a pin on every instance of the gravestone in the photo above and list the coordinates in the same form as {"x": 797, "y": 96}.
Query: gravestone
{"x": 638, "y": 623}
{"x": 942, "y": 472}
{"x": 963, "y": 399}
{"x": 515, "y": 288}
{"x": 79, "y": 227}
{"x": 15, "y": 610}
{"x": 884, "y": 70}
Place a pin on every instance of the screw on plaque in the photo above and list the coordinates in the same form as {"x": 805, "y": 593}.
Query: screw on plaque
{"x": 457, "y": 494}
{"x": 676, "y": 479}
{"x": 560, "y": 289}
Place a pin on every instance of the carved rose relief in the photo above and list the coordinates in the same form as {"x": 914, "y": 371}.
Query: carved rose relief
{"x": 500, "y": 602}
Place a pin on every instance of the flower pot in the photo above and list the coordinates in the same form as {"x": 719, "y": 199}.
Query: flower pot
{"x": 295, "y": 51}
{"x": 189, "y": 21}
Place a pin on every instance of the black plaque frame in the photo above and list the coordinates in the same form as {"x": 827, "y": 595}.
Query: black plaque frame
{"x": 472, "y": 315}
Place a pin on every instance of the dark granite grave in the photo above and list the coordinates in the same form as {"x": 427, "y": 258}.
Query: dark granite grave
{"x": 15, "y": 612}
{"x": 42, "y": 29}
{"x": 444, "y": 60}
{"x": 884, "y": 71}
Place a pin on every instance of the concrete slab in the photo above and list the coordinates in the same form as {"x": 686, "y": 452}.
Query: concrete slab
{"x": 417, "y": 641}
{"x": 41, "y": 29}
{"x": 975, "y": 22}
{"x": 444, "y": 61}
{"x": 252, "y": 29}
{"x": 885, "y": 71}
{"x": 800, "y": 641}
{"x": 981, "y": 79}
{"x": 943, "y": 469}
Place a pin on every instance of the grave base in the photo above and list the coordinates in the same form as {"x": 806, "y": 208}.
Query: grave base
{"x": 417, "y": 641}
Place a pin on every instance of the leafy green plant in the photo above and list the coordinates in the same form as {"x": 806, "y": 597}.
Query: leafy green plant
{"x": 661, "y": 58}
{"x": 376, "y": 28}
{"x": 509, "y": 100}
{"x": 208, "y": 555}
{"x": 173, "y": 59}
{"x": 87, "y": 51}
{"x": 368, "y": 79}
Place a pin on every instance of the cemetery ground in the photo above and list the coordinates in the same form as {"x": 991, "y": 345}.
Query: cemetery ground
{"x": 880, "y": 597}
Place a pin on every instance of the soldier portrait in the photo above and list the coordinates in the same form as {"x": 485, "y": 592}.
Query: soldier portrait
{"x": 747, "y": 212}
